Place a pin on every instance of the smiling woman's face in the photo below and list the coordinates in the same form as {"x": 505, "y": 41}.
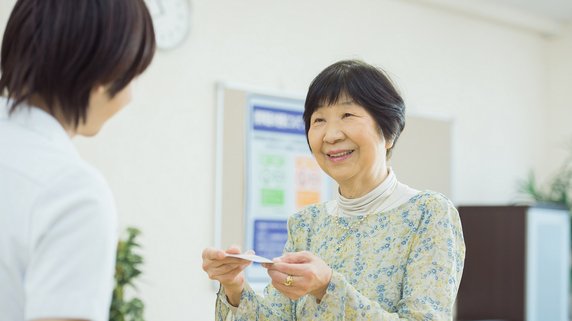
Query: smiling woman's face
{"x": 347, "y": 144}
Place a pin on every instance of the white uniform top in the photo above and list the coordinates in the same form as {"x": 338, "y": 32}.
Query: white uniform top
{"x": 58, "y": 224}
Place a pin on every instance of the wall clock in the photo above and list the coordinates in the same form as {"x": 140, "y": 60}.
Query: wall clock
{"x": 171, "y": 20}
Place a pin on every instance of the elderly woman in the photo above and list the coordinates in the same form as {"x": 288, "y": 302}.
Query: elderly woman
{"x": 381, "y": 250}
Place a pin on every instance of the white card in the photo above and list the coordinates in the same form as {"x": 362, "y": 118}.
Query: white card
{"x": 251, "y": 257}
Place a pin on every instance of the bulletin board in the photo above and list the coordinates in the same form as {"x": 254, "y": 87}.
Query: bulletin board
{"x": 265, "y": 171}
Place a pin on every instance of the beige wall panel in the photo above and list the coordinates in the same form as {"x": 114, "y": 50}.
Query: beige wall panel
{"x": 232, "y": 227}
{"x": 422, "y": 155}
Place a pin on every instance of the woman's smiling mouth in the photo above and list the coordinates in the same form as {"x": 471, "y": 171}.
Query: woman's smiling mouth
{"x": 338, "y": 156}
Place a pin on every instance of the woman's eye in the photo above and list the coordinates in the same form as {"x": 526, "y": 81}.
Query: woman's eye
{"x": 347, "y": 115}
{"x": 317, "y": 120}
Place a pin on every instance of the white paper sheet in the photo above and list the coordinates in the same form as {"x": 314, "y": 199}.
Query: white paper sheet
{"x": 251, "y": 257}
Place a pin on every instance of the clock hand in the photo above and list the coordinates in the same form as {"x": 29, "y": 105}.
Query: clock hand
{"x": 155, "y": 8}
{"x": 161, "y": 8}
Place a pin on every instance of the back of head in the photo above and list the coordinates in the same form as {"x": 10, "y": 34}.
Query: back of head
{"x": 368, "y": 86}
{"x": 60, "y": 50}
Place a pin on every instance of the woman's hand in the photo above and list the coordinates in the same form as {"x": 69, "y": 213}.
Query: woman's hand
{"x": 310, "y": 275}
{"x": 227, "y": 270}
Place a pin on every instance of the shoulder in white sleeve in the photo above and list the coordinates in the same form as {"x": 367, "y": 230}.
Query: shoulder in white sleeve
{"x": 73, "y": 241}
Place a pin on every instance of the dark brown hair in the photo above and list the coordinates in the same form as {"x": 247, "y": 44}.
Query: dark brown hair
{"x": 61, "y": 50}
{"x": 368, "y": 86}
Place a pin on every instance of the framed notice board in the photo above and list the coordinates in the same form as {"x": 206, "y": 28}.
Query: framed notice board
{"x": 265, "y": 171}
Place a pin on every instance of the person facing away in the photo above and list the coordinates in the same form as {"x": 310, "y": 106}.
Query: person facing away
{"x": 67, "y": 67}
{"x": 381, "y": 250}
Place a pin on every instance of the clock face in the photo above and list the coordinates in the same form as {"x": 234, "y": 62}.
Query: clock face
{"x": 171, "y": 19}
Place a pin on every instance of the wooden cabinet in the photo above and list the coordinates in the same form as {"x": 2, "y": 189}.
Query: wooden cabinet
{"x": 517, "y": 265}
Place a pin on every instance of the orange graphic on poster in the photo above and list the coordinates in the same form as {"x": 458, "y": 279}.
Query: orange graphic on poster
{"x": 308, "y": 181}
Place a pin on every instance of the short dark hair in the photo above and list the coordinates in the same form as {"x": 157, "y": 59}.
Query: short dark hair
{"x": 368, "y": 86}
{"x": 61, "y": 50}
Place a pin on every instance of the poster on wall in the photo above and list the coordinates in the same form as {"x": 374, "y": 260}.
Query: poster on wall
{"x": 282, "y": 176}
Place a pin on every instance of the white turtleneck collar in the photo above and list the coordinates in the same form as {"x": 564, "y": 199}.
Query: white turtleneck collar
{"x": 388, "y": 195}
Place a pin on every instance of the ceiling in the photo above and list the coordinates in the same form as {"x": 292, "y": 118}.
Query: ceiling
{"x": 556, "y": 9}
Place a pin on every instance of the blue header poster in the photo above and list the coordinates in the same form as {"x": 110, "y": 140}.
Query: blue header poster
{"x": 282, "y": 176}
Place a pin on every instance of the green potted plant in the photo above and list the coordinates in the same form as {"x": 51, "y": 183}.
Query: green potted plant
{"x": 127, "y": 269}
{"x": 557, "y": 191}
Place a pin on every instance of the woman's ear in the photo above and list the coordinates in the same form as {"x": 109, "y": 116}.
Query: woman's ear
{"x": 388, "y": 144}
{"x": 100, "y": 89}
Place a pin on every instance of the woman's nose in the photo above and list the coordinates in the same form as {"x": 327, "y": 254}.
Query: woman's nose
{"x": 333, "y": 134}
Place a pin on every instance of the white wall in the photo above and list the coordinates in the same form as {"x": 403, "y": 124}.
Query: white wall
{"x": 158, "y": 153}
{"x": 559, "y": 111}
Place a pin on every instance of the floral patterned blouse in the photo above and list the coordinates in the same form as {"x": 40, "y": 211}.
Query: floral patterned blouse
{"x": 402, "y": 264}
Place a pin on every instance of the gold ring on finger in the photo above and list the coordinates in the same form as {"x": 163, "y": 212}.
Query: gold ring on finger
{"x": 288, "y": 281}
